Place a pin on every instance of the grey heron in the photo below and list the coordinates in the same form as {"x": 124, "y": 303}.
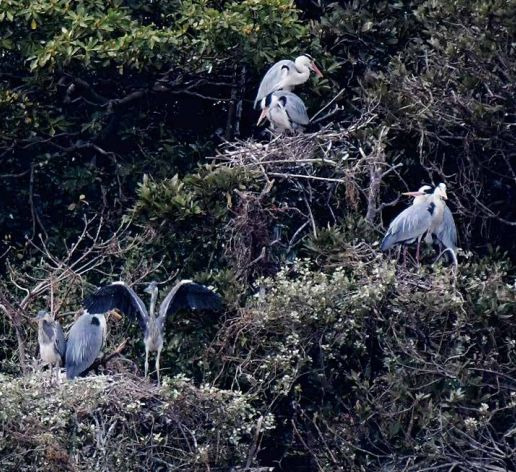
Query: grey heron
{"x": 420, "y": 219}
{"x": 86, "y": 339}
{"x": 284, "y": 110}
{"x": 185, "y": 294}
{"x": 446, "y": 233}
{"x": 51, "y": 340}
{"x": 285, "y": 75}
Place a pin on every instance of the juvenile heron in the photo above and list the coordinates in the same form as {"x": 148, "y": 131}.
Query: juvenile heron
{"x": 417, "y": 220}
{"x": 51, "y": 340}
{"x": 285, "y": 75}
{"x": 86, "y": 339}
{"x": 185, "y": 294}
{"x": 284, "y": 110}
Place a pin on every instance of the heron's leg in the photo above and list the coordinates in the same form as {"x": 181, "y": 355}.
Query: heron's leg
{"x": 146, "y": 361}
{"x": 404, "y": 263}
{"x": 417, "y": 250}
{"x": 157, "y": 365}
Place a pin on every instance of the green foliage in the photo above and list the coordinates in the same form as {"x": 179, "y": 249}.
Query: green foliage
{"x": 384, "y": 366}
{"x": 341, "y": 360}
{"x": 133, "y": 424}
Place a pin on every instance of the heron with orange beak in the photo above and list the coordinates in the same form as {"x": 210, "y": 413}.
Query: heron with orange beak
{"x": 285, "y": 111}
{"x": 285, "y": 75}
{"x": 423, "y": 217}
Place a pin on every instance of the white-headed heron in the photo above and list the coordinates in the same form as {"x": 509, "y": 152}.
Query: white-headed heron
{"x": 285, "y": 75}
{"x": 420, "y": 219}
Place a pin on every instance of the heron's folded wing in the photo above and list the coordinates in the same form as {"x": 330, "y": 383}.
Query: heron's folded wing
{"x": 447, "y": 231}
{"x": 60, "y": 342}
{"x": 272, "y": 77}
{"x": 295, "y": 107}
{"x": 84, "y": 344}
{"x": 408, "y": 225}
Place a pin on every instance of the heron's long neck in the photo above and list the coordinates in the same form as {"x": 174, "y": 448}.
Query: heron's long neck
{"x": 154, "y": 298}
{"x": 438, "y": 212}
{"x": 300, "y": 74}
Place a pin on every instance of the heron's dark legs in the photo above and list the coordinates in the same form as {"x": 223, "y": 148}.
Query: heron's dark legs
{"x": 417, "y": 250}
{"x": 157, "y": 365}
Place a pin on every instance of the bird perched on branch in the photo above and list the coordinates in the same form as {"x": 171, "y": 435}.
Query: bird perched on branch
{"x": 423, "y": 217}
{"x": 285, "y": 111}
{"x": 51, "y": 340}
{"x": 86, "y": 339}
{"x": 285, "y": 75}
{"x": 186, "y": 294}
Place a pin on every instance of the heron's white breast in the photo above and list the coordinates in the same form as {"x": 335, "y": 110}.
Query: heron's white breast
{"x": 49, "y": 355}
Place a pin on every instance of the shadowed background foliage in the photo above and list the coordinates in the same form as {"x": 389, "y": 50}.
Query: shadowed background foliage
{"x": 139, "y": 113}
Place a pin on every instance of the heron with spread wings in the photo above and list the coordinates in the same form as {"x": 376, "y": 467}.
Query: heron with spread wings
{"x": 186, "y": 294}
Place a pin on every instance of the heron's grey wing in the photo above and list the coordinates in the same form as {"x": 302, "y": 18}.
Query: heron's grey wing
{"x": 48, "y": 329}
{"x": 408, "y": 225}
{"x": 271, "y": 78}
{"x": 295, "y": 108}
{"x": 59, "y": 343}
{"x": 188, "y": 294}
{"x": 84, "y": 344}
{"x": 447, "y": 231}
{"x": 121, "y": 296}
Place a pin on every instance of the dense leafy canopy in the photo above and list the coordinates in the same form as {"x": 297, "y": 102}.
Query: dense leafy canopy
{"x": 128, "y": 149}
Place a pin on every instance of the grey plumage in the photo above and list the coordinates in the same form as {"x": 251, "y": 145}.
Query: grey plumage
{"x": 51, "y": 340}
{"x": 285, "y": 110}
{"x": 85, "y": 341}
{"x": 408, "y": 226}
{"x": 446, "y": 233}
{"x": 120, "y": 296}
{"x": 285, "y": 75}
{"x": 272, "y": 77}
{"x": 185, "y": 294}
{"x": 422, "y": 218}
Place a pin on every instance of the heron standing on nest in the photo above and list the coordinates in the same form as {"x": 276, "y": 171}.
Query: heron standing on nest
{"x": 186, "y": 294}
{"x": 51, "y": 341}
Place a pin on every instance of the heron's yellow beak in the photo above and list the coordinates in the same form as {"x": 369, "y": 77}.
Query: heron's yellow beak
{"x": 444, "y": 196}
{"x": 116, "y": 316}
{"x": 413, "y": 194}
{"x": 262, "y": 116}
{"x": 318, "y": 73}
